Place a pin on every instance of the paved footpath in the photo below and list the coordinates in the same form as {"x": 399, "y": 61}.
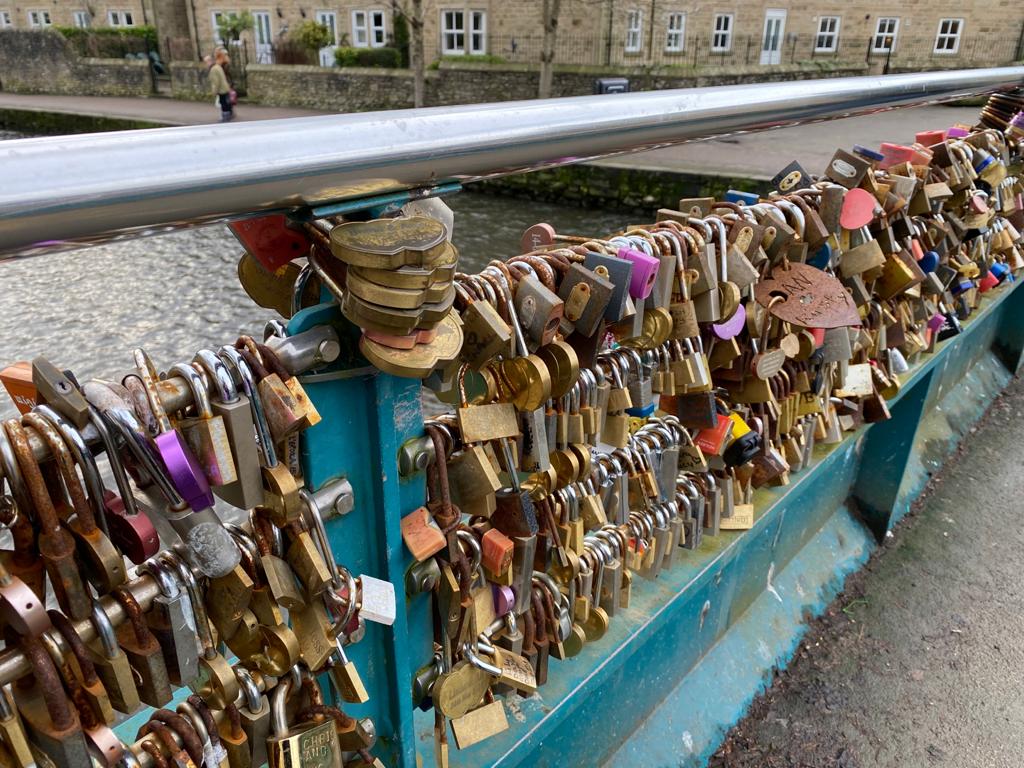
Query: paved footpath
{"x": 920, "y": 663}
{"x": 156, "y": 109}
{"x": 754, "y": 155}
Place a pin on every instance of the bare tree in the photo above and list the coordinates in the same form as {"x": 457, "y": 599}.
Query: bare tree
{"x": 547, "y": 54}
{"x": 412, "y": 11}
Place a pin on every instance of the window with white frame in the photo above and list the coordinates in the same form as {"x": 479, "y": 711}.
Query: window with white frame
{"x": 948, "y": 38}
{"x": 675, "y": 35}
{"x": 223, "y": 17}
{"x": 360, "y": 29}
{"x": 634, "y": 30}
{"x": 120, "y": 19}
{"x": 39, "y": 19}
{"x": 368, "y": 30}
{"x": 5, "y": 20}
{"x": 81, "y": 19}
{"x": 721, "y": 37}
{"x": 886, "y": 29}
{"x": 378, "y": 36}
{"x": 453, "y": 33}
{"x": 827, "y": 38}
{"x": 218, "y": 17}
{"x": 478, "y": 32}
{"x": 455, "y": 40}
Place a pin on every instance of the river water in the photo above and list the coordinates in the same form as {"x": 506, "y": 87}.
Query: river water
{"x": 174, "y": 293}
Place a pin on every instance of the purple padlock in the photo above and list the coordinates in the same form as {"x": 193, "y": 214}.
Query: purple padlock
{"x": 184, "y": 469}
{"x": 936, "y": 322}
{"x": 731, "y": 327}
{"x": 504, "y": 599}
{"x": 645, "y": 272}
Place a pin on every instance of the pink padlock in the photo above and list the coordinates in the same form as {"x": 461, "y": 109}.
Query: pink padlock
{"x": 504, "y": 599}
{"x": 536, "y": 237}
{"x": 898, "y": 153}
{"x": 645, "y": 272}
{"x": 401, "y": 342}
{"x": 930, "y": 138}
{"x": 858, "y": 209}
{"x": 731, "y": 327}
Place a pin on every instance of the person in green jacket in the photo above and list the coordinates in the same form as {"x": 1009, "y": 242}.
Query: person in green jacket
{"x": 220, "y": 86}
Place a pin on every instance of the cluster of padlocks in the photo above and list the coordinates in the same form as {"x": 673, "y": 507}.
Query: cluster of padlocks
{"x": 608, "y": 402}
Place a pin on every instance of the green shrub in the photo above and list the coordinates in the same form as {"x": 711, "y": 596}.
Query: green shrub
{"x": 385, "y": 58}
{"x": 232, "y": 25}
{"x": 110, "y": 42}
{"x": 402, "y": 38}
{"x": 312, "y": 35}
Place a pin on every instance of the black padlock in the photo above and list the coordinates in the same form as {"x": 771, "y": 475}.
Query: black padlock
{"x": 950, "y": 327}
{"x": 742, "y": 449}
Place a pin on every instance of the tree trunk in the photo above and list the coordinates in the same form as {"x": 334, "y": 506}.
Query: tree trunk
{"x": 419, "y": 68}
{"x": 547, "y": 54}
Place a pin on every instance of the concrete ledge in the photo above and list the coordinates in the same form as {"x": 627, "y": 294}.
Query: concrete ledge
{"x": 47, "y": 123}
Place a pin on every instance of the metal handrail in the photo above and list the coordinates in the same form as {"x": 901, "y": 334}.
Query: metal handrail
{"x": 65, "y": 191}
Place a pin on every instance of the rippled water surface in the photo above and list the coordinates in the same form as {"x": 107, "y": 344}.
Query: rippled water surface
{"x": 174, "y": 293}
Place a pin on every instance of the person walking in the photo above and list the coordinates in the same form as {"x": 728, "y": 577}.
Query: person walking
{"x": 221, "y": 86}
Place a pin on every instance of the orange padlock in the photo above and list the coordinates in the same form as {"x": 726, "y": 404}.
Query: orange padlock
{"x": 17, "y": 379}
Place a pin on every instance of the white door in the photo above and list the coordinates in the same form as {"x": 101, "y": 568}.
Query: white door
{"x": 330, "y": 20}
{"x": 263, "y": 36}
{"x": 774, "y": 29}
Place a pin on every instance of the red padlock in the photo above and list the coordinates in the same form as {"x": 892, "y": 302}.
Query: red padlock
{"x": 270, "y": 240}
{"x": 131, "y": 532}
{"x": 988, "y": 282}
{"x": 712, "y": 440}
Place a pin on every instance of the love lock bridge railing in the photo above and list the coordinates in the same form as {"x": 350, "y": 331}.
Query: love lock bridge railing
{"x": 680, "y": 663}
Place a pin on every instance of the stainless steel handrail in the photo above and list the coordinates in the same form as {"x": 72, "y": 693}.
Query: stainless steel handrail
{"x": 64, "y": 191}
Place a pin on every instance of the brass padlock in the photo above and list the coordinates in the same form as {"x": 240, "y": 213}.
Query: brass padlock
{"x": 304, "y": 745}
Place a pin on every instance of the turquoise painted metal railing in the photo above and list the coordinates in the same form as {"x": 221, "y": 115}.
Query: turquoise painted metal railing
{"x": 681, "y": 663}
{"x": 650, "y": 672}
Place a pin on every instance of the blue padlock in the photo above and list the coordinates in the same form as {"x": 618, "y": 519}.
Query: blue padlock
{"x": 868, "y": 154}
{"x": 929, "y": 261}
{"x": 644, "y": 412}
{"x": 741, "y": 198}
{"x": 822, "y": 258}
{"x": 961, "y": 286}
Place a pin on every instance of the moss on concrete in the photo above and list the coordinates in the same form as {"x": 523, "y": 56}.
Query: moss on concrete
{"x": 35, "y": 123}
{"x": 639, "y": 189}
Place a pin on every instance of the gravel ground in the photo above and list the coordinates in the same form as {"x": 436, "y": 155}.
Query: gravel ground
{"x": 920, "y": 662}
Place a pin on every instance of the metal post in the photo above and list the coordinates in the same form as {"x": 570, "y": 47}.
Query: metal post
{"x": 366, "y": 417}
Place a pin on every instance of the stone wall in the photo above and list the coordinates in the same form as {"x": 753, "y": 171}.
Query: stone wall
{"x": 43, "y": 62}
{"x": 360, "y": 90}
{"x": 613, "y": 187}
{"x": 332, "y": 90}
{"x": 188, "y": 81}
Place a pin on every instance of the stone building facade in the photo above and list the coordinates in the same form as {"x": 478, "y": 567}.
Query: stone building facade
{"x": 39, "y": 14}
{"x": 656, "y": 32}
{"x": 604, "y": 33}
